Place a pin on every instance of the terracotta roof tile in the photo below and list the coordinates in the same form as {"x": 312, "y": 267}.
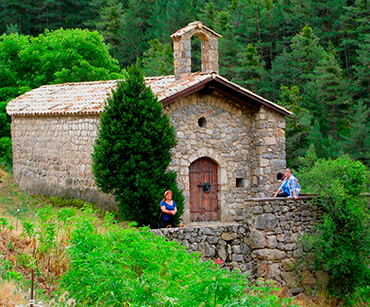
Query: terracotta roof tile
{"x": 90, "y": 97}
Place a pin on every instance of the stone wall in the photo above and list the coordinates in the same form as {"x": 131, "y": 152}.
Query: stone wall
{"x": 227, "y": 242}
{"x": 52, "y": 156}
{"x": 263, "y": 244}
{"x": 247, "y": 145}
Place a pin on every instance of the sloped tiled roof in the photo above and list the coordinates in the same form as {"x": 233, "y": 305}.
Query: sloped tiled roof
{"x": 191, "y": 26}
{"x": 90, "y": 97}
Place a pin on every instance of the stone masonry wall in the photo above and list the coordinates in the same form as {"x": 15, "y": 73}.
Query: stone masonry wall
{"x": 264, "y": 244}
{"x": 247, "y": 145}
{"x": 52, "y": 156}
{"x": 268, "y": 155}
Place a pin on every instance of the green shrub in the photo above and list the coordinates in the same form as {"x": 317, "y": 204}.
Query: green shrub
{"x": 133, "y": 151}
{"x": 6, "y": 155}
{"x": 113, "y": 266}
{"x": 341, "y": 244}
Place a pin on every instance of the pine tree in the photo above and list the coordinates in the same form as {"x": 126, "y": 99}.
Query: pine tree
{"x": 331, "y": 96}
{"x": 132, "y": 152}
{"x": 297, "y": 125}
{"x": 110, "y": 25}
{"x": 357, "y": 144}
{"x": 158, "y": 60}
{"x": 251, "y": 70}
{"x": 362, "y": 83}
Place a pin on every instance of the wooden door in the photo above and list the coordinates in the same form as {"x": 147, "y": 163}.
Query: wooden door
{"x": 203, "y": 191}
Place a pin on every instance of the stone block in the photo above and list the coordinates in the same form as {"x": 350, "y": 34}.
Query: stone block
{"x": 289, "y": 264}
{"x": 257, "y": 239}
{"x": 291, "y": 279}
{"x": 307, "y": 278}
{"x": 270, "y": 140}
{"x": 273, "y": 271}
{"x": 268, "y": 254}
{"x": 237, "y": 258}
{"x": 266, "y": 221}
{"x": 236, "y": 249}
{"x": 271, "y": 241}
{"x": 229, "y": 236}
{"x": 322, "y": 278}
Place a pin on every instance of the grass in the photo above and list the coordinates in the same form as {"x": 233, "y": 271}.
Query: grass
{"x": 81, "y": 258}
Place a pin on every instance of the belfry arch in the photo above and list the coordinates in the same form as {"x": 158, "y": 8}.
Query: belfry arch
{"x": 182, "y": 49}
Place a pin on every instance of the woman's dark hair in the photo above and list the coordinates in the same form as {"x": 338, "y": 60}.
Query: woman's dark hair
{"x": 279, "y": 176}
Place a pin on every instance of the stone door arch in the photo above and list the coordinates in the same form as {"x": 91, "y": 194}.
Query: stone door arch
{"x": 203, "y": 175}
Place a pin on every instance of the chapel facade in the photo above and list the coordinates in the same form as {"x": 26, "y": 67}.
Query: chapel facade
{"x": 231, "y": 142}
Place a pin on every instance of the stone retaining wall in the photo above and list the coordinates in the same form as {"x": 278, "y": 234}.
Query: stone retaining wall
{"x": 264, "y": 244}
{"x": 227, "y": 242}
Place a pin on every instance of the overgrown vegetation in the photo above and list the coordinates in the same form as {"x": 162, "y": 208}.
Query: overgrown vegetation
{"x": 341, "y": 243}
{"x": 86, "y": 260}
{"x": 133, "y": 151}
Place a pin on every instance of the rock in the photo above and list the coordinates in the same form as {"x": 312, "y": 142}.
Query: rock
{"x": 307, "y": 278}
{"x": 268, "y": 254}
{"x": 266, "y": 221}
{"x": 288, "y": 264}
{"x": 271, "y": 241}
{"x": 257, "y": 239}
{"x": 291, "y": 279}
{"x": 302, "y": 300}
{"x": 322, "y": 278}
{"x": 273, "y": 271}
{"x": 229, "y": 236}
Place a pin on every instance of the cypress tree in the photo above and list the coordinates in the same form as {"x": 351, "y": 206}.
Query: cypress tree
{"x": 133, "y": 151}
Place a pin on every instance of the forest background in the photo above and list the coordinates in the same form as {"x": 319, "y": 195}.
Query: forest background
{"x": 312, "y": 56}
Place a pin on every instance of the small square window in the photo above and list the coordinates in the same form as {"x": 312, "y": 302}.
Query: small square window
{"x": 239, "y": 182}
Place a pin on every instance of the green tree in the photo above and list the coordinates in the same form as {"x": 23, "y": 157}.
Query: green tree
{"x": 328, "y": 92}
{"x": 341, "y": 243}
{"x": 362, "y": 77}
{"x": 294, "y": 67}
{"x": 53, "y": 57}
{"x": 251, "y": 70}
{"x": 298, "y": 125}
{"x": 325, "y": 145}
{"x": 135, "y": 27}
{"x": 357, "y": 143}
{"x": 132, "y": 152}
{"x": 110, "y": 25}
{"x": 158, "y": 60}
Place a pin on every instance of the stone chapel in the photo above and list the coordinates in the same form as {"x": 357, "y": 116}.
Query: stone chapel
{"x": 231, "y": 141}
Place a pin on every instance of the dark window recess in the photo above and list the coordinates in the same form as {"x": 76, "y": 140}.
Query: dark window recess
{"x": 202, "y": 122}
{"x": 239, "y": 182}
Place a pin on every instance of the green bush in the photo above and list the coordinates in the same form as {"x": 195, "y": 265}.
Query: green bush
{"x": 6, "y": 156}
{"x": 341, "y": 244}
{"x": 112, "y": 266}
{"x": 133, "y": 151}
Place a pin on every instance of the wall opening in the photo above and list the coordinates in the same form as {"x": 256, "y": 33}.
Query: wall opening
{"x": 202, "y": 122}
{"x": 239, "y": 182}
{"x": 196, "y": 54}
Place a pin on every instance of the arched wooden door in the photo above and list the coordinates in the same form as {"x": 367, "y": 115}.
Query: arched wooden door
{"x": 203, "y": 191}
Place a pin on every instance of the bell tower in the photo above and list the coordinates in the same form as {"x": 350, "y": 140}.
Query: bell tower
{"x": 182, "y": 49}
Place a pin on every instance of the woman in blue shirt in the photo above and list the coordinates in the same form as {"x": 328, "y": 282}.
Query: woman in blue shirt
{"x": 169, "y": 209}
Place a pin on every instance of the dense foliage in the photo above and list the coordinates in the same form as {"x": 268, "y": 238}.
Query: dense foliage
{"x": 341, "y": 244}
{"x": 59, "y": 56}
{"x": 102, "y": 263}
{"x": 132, "y": 266}
{"x": 133, "y": 151}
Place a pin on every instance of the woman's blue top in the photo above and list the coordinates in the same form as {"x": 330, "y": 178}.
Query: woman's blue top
{"x": 166, "y": 216}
